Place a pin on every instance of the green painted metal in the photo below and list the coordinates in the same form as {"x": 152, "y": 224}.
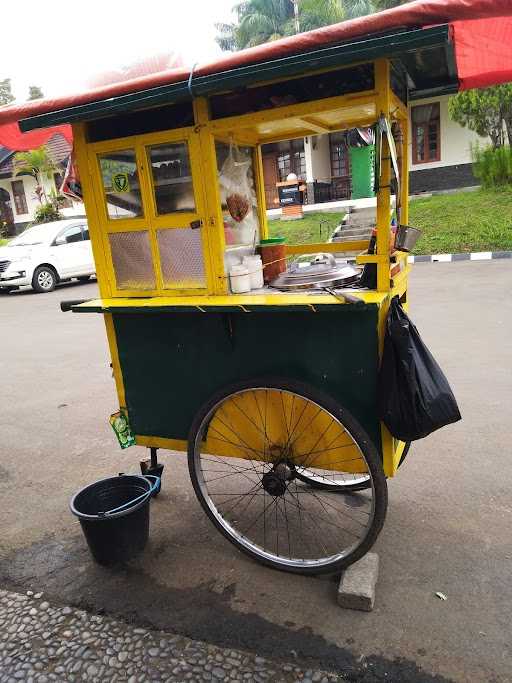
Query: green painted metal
{"x": 394, "y": 45}
{"x": 171, "y": 364}
{"x": 362, "y": 171}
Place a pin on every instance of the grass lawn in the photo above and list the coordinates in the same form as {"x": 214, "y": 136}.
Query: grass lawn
{"x": 466, "y": 221}
{"x": 316, "y": 226}
{"x": 3, "y": 242}
{"x": 454, "y": 223}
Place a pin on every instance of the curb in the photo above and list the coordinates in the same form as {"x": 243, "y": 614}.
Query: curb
{"x": 448, "y": 258}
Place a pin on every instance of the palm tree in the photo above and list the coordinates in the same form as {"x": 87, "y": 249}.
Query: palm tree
{"x": 39, "y": 165}
{"x": 260, "y": 21}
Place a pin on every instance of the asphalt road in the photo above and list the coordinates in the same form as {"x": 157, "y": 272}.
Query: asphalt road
{"x": 448, "y": 527}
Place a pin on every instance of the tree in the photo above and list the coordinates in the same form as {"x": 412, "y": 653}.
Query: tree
{"x": 6, "y": 96}
{"x": 487, "y": 111}
{"x": 35, "y": 92}
{"x": 259, "y": 21}
{"x": 387, "y": 4}
{"x": 39, "y": 165}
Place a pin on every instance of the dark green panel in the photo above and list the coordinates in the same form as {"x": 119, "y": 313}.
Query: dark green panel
{"x": 172, "y": 363}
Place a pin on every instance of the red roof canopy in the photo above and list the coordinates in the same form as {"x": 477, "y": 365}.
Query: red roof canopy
{"x": 482, "y": 32}
{"x": 12, "y": 138}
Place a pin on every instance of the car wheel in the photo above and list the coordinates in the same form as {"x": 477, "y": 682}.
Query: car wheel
{"x": 44, "y": 279}
{"x": 84, "y": 278}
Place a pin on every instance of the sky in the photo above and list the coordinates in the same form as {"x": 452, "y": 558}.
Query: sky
{"x": 57, "y": 46}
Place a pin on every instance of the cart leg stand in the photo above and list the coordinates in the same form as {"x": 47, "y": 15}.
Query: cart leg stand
{"x": 357, "y": 584}
{"x": 153, "y": 467}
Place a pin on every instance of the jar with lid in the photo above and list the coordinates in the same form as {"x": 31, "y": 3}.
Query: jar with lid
{"x": 239, "y": 279}
{"x": 255, "y": 268}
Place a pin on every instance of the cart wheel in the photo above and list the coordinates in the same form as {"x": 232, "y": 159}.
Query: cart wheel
{"x": 249, "y": 449}
{"x": 340, "y": 481}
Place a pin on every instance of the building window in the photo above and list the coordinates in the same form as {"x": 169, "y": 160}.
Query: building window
{"x": 426, "y": 133}
{"x": 292, "y": 160}
{"x": 20, "y": 200}
{"x": 339, "y": 155}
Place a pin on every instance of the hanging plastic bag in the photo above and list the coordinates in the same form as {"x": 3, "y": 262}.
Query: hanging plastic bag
{"x": 237, "y": 193}
{"x": 414, "y": 397}
{"x": 235, "y": 183}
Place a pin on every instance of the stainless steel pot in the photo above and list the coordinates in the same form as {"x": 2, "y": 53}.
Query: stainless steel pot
{"x": 317, "y": 271}
{"x": 406, "y": 237}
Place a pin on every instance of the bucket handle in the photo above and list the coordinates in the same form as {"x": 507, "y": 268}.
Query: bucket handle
{"x": 154, "y": 487}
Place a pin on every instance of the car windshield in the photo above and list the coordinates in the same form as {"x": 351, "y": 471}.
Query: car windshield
{"x": 39, "y": 234}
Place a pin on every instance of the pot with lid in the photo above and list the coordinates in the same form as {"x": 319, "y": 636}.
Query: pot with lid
{"x": 316, "y": 271}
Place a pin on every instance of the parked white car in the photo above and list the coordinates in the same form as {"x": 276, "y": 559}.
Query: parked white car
{"x": 46, "y": 254}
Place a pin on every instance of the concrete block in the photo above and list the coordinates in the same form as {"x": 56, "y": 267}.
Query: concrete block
{"x": 357, "y": 584}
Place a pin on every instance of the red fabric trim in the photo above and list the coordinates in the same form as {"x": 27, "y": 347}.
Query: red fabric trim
{"x": 12, "y": 138}
{"x": 483, "y": 52}
{"x": 415, "y": 14}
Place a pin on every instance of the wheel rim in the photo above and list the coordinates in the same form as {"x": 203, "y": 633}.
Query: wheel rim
{"x": 45, "y": 279}
{"x": 249, "y": 482}
{"x": 336, "y": 480}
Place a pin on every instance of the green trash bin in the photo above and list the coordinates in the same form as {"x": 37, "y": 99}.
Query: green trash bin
{"x": 363, "y": 171}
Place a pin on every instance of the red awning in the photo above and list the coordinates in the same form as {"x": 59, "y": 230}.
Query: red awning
{"x": 12, "y": 138}
{"x": 482, "y": 33}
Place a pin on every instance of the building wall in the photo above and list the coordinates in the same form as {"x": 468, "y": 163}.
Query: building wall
{"x": 456, "y": 141}
{"x": 29, "y": 184}
{"x": 318, "y": 158}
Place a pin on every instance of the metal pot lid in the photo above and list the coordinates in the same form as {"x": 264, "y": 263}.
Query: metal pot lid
{"x": 342, "y": 276}
{"x": 312, "y": 264}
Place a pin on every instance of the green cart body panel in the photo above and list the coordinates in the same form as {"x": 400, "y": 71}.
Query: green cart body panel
{"x": 172, "y": 363}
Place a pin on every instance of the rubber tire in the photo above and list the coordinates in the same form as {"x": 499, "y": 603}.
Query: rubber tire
{"x": 36, "y": 286}
{"x": 6, "y": 290}
{"x": 84, "y": 278}
{"x": 357, "y": 432}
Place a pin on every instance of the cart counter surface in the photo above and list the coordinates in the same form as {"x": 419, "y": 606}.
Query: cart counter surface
{"x": 243, "y": 302}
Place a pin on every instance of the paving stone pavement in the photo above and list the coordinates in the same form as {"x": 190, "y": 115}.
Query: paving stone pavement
{"x": 40, "y": 642}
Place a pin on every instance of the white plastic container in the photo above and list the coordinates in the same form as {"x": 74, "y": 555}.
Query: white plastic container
{"x": 255, "y": 267}
{"x": 239, "y": 279}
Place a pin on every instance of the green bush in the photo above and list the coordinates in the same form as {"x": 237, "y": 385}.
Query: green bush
{"x": 46, "y": 213}
{"x": 493, "y": 167}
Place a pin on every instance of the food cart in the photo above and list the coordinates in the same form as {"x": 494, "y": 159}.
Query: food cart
{"x": 272, "y": 393}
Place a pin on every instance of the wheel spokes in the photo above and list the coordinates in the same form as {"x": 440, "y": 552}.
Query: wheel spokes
{"x": 262, "y": 448}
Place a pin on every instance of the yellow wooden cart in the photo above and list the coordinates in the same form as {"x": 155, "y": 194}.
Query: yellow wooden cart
{"x": 273, "y": 395}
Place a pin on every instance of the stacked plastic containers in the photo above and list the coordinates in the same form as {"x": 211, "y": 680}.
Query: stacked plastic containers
{"x": 247, "y": 275}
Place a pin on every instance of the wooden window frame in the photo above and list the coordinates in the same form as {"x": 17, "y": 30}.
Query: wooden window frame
{"x": 19, "y": 197}
{"x": 334, "y": 159}
{"x": 436, "y": 119}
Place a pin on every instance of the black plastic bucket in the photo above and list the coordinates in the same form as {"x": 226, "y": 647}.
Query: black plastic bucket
{"x": 114, "y": 516}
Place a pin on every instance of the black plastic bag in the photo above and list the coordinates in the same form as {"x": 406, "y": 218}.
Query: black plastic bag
{"x": 414, "y": 397}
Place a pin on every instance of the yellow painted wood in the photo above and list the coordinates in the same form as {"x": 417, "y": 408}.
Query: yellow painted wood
{"x": 260, "y": 192}
{"x": 372, "y": 258}
{"x": 315, "y": 125}
{"x": 215, "y": 220}
{"x": 382, "y": 76}
{"x": 99, "y": 246}
{"x": 405, "y": 169}
{"x": 114, "y": 355}
{"x": 398, "y": 108}
{"x": 327, "y": 247}
{"x": 160, "y": 442}
{"x": 316, "y": 107}
{"x": 401, "y": 277}
{"x": 240, "y": 300}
